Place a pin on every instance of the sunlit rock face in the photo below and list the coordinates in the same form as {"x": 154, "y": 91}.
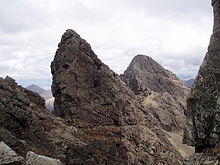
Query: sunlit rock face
{"x": 203, "y": 104}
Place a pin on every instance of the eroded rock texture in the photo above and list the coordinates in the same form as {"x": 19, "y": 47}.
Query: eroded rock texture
{"x": 144, "y": 74}
{"x": 162, "y": 93}
{"x": 203, "y": 124}
{"x": 118, "y": 128}
{"x": 25, "y": 124}
{"x": 160, "y": 89}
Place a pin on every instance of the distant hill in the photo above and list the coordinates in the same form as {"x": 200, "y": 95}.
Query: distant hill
{"x": 46, "y": 94}
{"x": 36, "y": 89}
{"x": 189, "y": 82}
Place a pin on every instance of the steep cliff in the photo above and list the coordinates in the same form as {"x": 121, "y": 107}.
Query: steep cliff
{"x": 203, "y": 104}
{"x": 204, "y": 101}
{"x": 118, "y": 128}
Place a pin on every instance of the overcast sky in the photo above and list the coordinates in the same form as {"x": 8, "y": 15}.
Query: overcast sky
{"x": 173, "y": 32}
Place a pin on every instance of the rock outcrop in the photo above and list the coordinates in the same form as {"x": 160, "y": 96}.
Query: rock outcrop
{"x": 203, "y": 104}
{"x": 8, "y": 156}
{"x": 203, "y": 124}
{"x": 25, "y": 124}
{"x": 159, "y": 89}
{"x": 118, "y": 128}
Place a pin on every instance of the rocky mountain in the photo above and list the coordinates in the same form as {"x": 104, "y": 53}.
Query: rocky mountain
{"x": 35, "y": 88}
{"x": 99, "y": 119}
{"x": 144, "y": 74}
{"x": 118, "y": 127}
{"x": 46, "y": 94}
{"x": 160, "y": 89}
{"x": 163, "y": 94}
{"x": 189, "y": 82}
{"x": 203, "y": 104}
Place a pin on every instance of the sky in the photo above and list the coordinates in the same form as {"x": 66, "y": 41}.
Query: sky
{"x": 175, "y": 33}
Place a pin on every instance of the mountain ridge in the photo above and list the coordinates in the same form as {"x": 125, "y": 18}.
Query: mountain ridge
{"x": 46, "y": 94}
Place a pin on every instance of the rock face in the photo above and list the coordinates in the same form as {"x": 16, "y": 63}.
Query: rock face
{"x": 118, "y": 128}
{"x": 159, "y": 89}
{"x": 25, "y": 124}
{"x": 8, "y": 156}
{"x": 144, "y": 74}
{"x": 203, "y": 124}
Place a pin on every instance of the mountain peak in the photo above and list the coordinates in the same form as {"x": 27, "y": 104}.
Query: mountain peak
{"x": 35, "y": 88}
{"x": 145, "y": 74}
{"x": 144, "y": 62}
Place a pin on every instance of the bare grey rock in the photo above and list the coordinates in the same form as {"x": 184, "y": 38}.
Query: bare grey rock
{"x": 117, "y": 128}
{"x": 35, "y": 159}
{"x": 203, "y": 124}
{"x": 8, "y": 156}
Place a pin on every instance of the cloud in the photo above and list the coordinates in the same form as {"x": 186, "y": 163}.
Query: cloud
{"x": 175, "y": 33}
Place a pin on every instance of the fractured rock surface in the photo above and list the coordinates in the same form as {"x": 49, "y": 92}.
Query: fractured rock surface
{"x": 160, "y": 90}
{"x": 203, "y": 124}
{"x": 162, "y": 94}
{"x": 144, "y": 74}
{"x": 117, "y": 127}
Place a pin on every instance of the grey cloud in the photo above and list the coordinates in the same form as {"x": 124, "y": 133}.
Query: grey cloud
{"x": 116, "y": 29}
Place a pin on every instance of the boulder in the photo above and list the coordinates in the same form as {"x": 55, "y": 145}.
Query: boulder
{"x": 8, "y": 156}
{"x": 35, "y": 159}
